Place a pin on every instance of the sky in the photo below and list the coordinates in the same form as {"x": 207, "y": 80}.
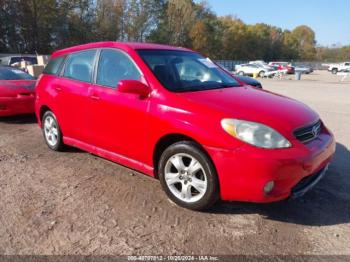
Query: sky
{"x": 330, "y": 19}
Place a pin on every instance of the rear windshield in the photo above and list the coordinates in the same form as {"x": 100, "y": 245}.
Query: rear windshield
{"x": 14, "y": 74}
{"x": 182, "y": 71}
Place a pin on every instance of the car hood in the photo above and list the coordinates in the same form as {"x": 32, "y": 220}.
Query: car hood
{"x": 15, "y": 87}
{"x": 246, "y": 103}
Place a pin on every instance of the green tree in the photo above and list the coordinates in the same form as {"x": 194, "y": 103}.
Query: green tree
{"x": 109, "y": 20}
{"x": 305, "y": 38}
{"x": 206, "y": 32}
{"x": 141, "y": 17}
{"x": 290, "y": 48}
{"x": 236, "y": 40}
{"x": 46, "y": 25}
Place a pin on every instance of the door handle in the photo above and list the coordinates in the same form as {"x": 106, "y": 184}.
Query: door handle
{"x": 95, "y": 97}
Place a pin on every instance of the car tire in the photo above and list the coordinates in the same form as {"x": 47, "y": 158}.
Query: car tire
{"x": 52, "y": 132}
{"x": 188, "y": 176}
{"x": 241, "y": 73}
{"x": 334, "y": 71}
{"x": 261, "y": 74}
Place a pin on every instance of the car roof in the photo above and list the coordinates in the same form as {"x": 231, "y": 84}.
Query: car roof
{"x": 121, "y": 45}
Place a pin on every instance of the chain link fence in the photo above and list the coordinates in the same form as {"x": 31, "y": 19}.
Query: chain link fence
{"x": 231, "y": 64}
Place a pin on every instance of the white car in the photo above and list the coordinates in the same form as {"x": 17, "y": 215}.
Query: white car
{"x": 335, "y": 68}
{"x": 262, "y": 64}
{"x": 250, "y": 70}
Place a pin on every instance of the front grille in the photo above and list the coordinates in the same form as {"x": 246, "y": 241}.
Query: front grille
{"x": 308, "y": 133}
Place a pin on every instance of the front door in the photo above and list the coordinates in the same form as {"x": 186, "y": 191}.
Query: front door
{"x": 119, "y": 120}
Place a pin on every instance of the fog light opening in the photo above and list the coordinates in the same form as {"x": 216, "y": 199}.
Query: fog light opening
{"x": 268, "y": 187}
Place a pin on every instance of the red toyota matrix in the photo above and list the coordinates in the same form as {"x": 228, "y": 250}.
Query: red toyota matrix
{"x": 173, "y": 114}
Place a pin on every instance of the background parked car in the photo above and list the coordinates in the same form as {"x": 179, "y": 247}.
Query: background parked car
{"x": 250, "y": 70}
{"x": 17, "y": 94}
{"x": 343, "y": 67}
{"x": 262, "y": 64}
{"x": 243, "y": 79}
{"x": 283, "y": 66}
{"x": 303, "y": 69}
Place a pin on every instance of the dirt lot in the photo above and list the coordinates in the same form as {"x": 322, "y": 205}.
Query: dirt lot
{"x": 76, "y": 203}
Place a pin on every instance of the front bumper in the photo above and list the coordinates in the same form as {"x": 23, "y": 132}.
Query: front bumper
{"x": 244, "y": 172}
{"x": 308, "y": 183}
{"x": 16, "y": 105}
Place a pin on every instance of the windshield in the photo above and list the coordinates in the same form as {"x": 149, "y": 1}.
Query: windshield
{"x": 181, "y": 71}
{"x": 14, "y": 74}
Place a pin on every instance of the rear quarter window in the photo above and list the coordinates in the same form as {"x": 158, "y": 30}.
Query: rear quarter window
{"x": 54, "y": 65}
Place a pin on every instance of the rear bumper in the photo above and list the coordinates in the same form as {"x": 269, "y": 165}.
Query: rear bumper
{"x": 16, "y": 105}
{"x": 244, "y": 172}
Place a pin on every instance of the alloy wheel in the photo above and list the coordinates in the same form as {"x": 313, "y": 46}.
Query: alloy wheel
{"x": 51, "y": 131}
{"x": 185, "y": 177}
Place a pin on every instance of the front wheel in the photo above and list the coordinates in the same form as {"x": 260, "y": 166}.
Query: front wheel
{"x": 261, "y": 74}
{"x": 188, "y": 177}
{"x": 52, "y": 132}
{"x": 334, "y": 71}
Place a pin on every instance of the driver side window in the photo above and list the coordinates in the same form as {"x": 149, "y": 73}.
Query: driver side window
{"x": 115, "y": 66}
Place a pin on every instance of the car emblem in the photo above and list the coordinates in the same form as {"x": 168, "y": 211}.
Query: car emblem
{"x": 315, "y": 131}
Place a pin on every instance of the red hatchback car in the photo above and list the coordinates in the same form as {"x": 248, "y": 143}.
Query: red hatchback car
{"x": 17, "y": 92}
{"x": 173, "y": 114}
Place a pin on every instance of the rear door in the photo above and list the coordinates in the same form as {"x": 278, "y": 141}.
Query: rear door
{"x": 72, "y": 90}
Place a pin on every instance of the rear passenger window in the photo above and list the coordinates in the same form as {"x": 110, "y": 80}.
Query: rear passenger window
{"x": 79, "y": 66}
{"x": 54, "y": 65}
{"x": 115, "y": 66}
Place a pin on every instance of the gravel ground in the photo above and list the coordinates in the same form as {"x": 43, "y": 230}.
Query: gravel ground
{"x": 77, "y": 203}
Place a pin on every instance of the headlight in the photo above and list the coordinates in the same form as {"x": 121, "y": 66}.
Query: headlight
{"x": 254, "y": 133}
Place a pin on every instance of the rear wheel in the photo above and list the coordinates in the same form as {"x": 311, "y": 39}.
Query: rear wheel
{"x": 334, "y": 71}
{"x": 188, "y": 177}
{"x": 52, "y": 132}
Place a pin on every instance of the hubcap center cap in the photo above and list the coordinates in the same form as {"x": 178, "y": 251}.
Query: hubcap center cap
{"x": 184, "y": 174}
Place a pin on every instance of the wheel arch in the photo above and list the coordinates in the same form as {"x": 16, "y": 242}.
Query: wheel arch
{"x": 169, "y": 139}
{"x": 43, "y": 109}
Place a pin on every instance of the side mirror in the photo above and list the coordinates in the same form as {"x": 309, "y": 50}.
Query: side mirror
{"x": 133, "y": 87}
